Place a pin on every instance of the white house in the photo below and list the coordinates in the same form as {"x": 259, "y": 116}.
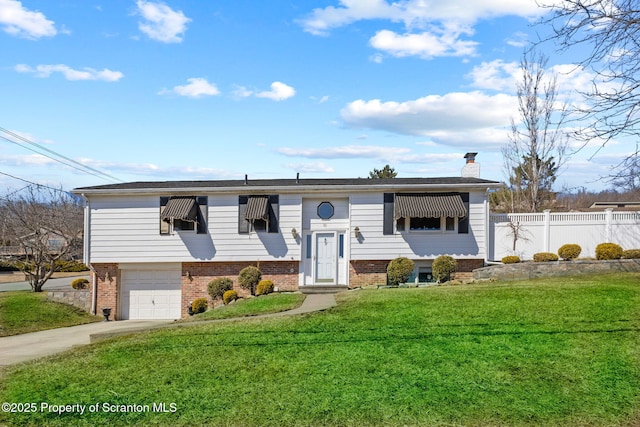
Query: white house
{"x": 154, "y": 246}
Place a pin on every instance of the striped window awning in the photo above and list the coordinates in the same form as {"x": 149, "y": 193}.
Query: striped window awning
{"x": 429, "y": 205}
{"x": 257, "y": 208}
{"x": 182, "y": 208}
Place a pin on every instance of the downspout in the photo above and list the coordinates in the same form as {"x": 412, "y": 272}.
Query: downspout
{"x": 86, "y": 254}
{"x": 487, "y": 230}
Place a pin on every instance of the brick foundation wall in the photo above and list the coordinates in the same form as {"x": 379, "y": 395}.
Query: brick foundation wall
{"x": 366, "y": 273}
{"x": 284, "y": 275}
{"x": 106, "y": 290}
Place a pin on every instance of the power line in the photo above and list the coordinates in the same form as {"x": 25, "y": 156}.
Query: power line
{"x": 30, "y": 183}
{"x": 68, "y": 161}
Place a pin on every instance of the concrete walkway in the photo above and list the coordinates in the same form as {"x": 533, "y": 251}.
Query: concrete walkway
{"x": 21, "y": 348}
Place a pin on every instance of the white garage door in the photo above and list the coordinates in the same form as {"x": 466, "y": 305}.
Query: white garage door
{"x": 151, "y": 294}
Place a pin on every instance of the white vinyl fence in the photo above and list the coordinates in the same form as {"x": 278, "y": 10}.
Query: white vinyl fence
{"x": 546, "y": 232}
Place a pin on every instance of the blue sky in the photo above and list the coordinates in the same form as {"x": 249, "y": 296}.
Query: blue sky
{"x": 185, "y": 89}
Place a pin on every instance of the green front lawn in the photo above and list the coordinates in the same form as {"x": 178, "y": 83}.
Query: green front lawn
{"x": 265, "y": 304}
{"x": 25, "y": 311}
{"x": 556, "y": 352}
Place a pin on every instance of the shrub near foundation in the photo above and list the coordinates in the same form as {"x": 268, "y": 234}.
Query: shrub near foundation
{"x": 199, "y": 305}
{"x": 249, "y": 278}
{"x": 511, "y": 259}
{"x": 544, "y": 257}
{"x": 229, "y": 296}
{"x": 264, "y": 287}
{"x": 443, "y": 267}
{"x": 217, "y": 287}
{"x": 569, "y": 251}
{"x": 80, "y": 283}
{"x": 631, "y": 254}
{"x": 608, "y": 251}
{"x": 399, "y": 270}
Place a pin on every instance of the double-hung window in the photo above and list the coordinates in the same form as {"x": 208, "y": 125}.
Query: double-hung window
{"x": 258, "y": 213}
{"x": 183, "y": 213}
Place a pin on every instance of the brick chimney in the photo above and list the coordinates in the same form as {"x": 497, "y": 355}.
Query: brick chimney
{"x": 471, "y": 169}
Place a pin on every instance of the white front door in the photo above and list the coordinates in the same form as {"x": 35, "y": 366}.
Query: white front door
{"x": 325, "y": 265}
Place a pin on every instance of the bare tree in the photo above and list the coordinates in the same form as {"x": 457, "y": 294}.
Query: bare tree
{"x": 43, "y": 226}
{"x": 537, "y": 143}
{"x": 607, "y": 35}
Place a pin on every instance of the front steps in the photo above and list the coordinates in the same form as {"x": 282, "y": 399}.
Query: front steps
{"x": 323, "y": 289}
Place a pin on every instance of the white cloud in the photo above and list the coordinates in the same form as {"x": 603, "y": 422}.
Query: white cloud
{"x": 20, "y": 22}
{"x": 415, "y": 13}
{"x": 279, "y": 92}
{"x": 69, "y": 73}
{"x": 495, "y": 75}
{"x": 462, "y": 116}
{"x": 344, "y": 152}
{"x": 315, "y": 167}
{"x": 518, "y": 39}
{"x": 26, "y": 160}
{"x": 425, "y": 45}
{"x": 196, "y": 88}
{"x": 433, "y": 27}
{"x": 162, "y": 23}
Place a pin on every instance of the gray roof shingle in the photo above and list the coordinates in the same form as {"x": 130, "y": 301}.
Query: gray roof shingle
{"x": 283, "y": 183}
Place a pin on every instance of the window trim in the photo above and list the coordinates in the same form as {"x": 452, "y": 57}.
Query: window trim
{"x": 442, "y": 230}
{"x": 272, "y": 225}
{"x": 199, "y": 227}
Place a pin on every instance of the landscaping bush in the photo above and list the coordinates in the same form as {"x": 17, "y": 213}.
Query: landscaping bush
{"x": 399, "y": 270}
{"x": 80, "y": 283}
{"x": 511, "y": 259}
{"x": 69, "y": 266}
{"x": 264, "y": 287}
{"x": 217, "y": 287}
{"x": 229, "y": 296}
{"x": 7, "y": 266}
{"x": 608, "y": 251}
{"x": 443, "y": 267}
{"x": 569, "y": 251}
{"x": 199, "y": 305}
{"x": 249, "y": 278}
{"x": 631, "y": 254}
{"x": 544, "y": 257}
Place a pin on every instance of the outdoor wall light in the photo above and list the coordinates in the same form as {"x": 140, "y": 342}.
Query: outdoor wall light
{"x": 108, "y": 278}
{"x": 356, "y": 231}
{"x": 189, "y": 276}
{"x": 294, "y": 233}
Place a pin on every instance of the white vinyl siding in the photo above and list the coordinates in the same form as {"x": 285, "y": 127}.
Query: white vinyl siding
{"x": 367, "y": 215}
{"x": 126, "y": 229}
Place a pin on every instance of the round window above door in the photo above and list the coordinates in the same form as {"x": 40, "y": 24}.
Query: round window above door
{"x": 325, "y": 210}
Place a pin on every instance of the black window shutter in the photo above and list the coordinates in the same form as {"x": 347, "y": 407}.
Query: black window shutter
{"x": 387, "y": 227}
{"x": 243, "y": 224}
{"x": 274, "y": 213}
{"x": 164, "y": 226}
{"x": 463, "y": 223}
{"x": 203, "y": 209}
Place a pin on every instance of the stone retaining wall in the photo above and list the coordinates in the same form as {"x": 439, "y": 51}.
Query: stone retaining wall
{"x": 532, "y": 270}
{"x": 79, "y": 298}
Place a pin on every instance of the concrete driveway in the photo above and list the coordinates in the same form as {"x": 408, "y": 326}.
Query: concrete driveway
{"x": 20, "y": 348}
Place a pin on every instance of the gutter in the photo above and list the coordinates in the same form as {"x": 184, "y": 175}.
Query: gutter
{"x": 287, "y": 189}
